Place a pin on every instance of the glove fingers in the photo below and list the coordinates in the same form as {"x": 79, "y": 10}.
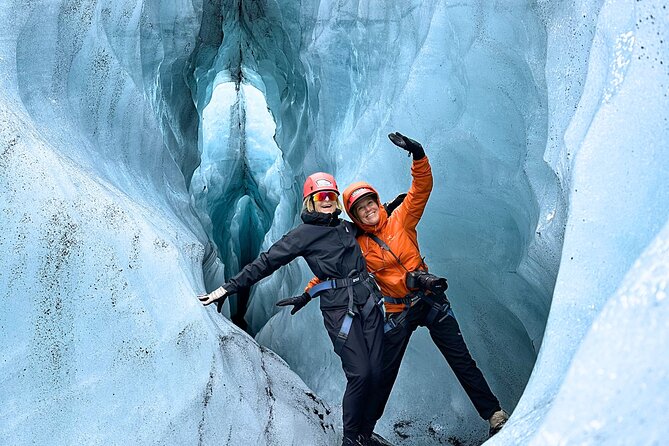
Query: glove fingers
{"x": 397, "y": 139}
{"x": 284, "y": 302}
{"x": 294, "y": 310}
{"x": 219, "y": 305}
{"x": 405, "y": 140}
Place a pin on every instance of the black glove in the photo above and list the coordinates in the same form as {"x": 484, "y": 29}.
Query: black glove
{"x": 298, "y": 302}
{"x": 392, "y": 205}
{"x": 408, "y": 144}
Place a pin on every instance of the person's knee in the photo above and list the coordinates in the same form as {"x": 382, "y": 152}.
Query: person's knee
{"x": 373, "y": 376}
{"x": 367, "y": 374}
{"x": 361, "y": 376}
{"x": 375, "y": 372}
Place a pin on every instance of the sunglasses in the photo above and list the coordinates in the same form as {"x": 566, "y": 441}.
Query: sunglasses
{"x": 321, "y": 196}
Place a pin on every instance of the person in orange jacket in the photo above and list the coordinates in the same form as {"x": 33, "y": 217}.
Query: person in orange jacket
{"x": 412, "y": 296}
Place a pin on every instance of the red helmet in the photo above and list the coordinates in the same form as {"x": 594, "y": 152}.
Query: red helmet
{"x": 317, "y": 182}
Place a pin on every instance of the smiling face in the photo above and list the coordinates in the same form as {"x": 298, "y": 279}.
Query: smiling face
{"x": 325, "y": 202}
{"x": 367, "y": 211}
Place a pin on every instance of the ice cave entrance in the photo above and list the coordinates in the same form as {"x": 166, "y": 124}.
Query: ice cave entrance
{"x": 238, "y": 151}
{"x": 228, "y": 99}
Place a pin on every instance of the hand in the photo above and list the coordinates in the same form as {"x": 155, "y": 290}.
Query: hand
{"x": 218, "y": 295}
{"x": 408, "y": 144}
{"x": 392, "y": 205}
{"x": 298, "y": 302}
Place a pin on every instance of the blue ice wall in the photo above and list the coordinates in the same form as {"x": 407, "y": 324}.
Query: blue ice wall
{"x": 103, "y": 341}
{"x": 139, "y": 141}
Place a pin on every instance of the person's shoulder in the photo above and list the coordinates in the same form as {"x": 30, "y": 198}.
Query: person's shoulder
{"x": 296, "y": 238}
{"x": 300, "y": 228}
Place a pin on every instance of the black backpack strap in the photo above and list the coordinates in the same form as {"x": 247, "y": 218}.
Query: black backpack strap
{"x": 384, "y": 246}
{"x": 439, "y": 305}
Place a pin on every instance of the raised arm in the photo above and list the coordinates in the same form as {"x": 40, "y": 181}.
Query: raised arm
{"x": 411, "y": 209}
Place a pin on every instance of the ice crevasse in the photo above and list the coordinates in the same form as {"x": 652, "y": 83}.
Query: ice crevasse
{"x": 148, "y": 150}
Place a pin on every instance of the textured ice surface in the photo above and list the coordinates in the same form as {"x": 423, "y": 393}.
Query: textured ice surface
{"x": 140, "y": 139}
{"x": 617, "y": 164}
{"x": 102, "y": 339}
{"x": 617, "y": 384}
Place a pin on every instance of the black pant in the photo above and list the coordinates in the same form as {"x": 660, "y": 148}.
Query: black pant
{"x": 446, "y": 335}
{"x": 361, "y": 358}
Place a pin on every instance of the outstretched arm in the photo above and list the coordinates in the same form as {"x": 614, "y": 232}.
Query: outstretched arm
{"x": 279, "y": 254}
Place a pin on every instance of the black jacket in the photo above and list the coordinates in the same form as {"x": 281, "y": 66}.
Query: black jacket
{"x": 328, "y": 245}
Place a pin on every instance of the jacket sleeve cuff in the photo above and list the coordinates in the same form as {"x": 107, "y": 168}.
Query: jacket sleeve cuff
{"x": 420, "y": 166}
{"x": 230, "y": 287}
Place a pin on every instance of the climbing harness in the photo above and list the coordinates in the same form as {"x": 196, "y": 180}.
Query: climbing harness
{"x": 412, "y": 298}
{"x": 354, "y": 279}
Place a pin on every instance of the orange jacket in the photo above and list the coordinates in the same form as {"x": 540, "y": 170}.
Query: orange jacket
{"x": 399, "y": 232}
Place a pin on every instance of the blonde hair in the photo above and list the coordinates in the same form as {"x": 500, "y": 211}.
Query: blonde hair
{"x": 308, "y": 204}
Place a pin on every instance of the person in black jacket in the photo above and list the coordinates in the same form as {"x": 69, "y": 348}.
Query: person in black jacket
{"x": 348, "y": 294}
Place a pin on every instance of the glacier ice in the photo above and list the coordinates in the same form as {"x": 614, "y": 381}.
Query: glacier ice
{"x": 102, "y": 341}
{"x": 141, "y": 140}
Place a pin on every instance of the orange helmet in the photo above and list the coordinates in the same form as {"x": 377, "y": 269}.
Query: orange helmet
{"x": 317, "y": 182}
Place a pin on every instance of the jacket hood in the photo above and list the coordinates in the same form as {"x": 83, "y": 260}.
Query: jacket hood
{"x": 362, "y": 188}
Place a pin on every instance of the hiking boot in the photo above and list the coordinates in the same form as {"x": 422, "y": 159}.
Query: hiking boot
{"x": 346, "y": 441}
{"x": 377, "y": 440}
{"x": 497, "y": 421}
